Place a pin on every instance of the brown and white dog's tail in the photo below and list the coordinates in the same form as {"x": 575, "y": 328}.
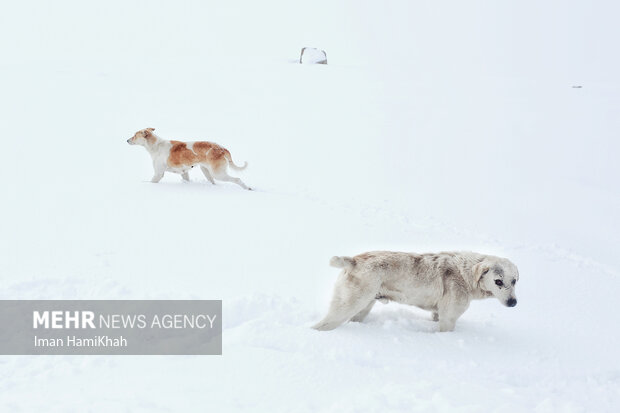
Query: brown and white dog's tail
{"x": 342, "y": 262}
{"x": 232, "y": 164}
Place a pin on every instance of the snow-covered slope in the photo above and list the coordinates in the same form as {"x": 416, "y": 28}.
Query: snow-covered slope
{"x": 435, "y": 126}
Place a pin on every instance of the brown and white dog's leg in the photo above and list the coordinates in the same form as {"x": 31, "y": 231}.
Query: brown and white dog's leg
{"x": 223, "y": 176}
{"x": 158, "y": 172}
{"x": 185, "y": 176}
{"x": 157, "y": 176}
{"x": 207, "y": 174}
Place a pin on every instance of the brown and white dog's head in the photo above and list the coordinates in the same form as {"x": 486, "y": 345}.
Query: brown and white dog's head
{"x": 142, "y": 137}
{"x": 498, "y": 276}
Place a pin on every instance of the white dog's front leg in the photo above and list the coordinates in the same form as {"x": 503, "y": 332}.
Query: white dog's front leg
{"x": 185, "y": 176}
{"x": 452, "y": 306}
{"x": 446, "y": 324}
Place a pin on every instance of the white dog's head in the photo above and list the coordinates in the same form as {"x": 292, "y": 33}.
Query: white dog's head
{"x": 142, "y": 137}
{"x": 498, "y": 276}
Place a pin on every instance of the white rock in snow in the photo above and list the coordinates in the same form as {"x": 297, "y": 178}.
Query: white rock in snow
{"x": 310, "y": 55}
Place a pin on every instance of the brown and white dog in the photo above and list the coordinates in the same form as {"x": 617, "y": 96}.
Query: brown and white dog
{"x": 179, "y": 157}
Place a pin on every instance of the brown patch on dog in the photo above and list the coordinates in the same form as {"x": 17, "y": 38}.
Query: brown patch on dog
{"x": 201, "y": 148}
{"x": 201, "y": 152}
{"x": 213, "y": 154}
{"x": 180, "y": 155}
{"x": 148, "y": 135}
{"x": 353, "y": 280}
{"x": 452, "y": 279}
{"x": 364, "y": 256}
{"x": 415, "y": 260}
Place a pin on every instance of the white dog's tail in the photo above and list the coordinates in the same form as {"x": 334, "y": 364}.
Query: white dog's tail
{"x": 342, "y": 262}
{"x": 232, "y": 164}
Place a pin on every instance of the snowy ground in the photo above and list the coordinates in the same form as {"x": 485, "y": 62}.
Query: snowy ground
{"x": 436, "y": 126}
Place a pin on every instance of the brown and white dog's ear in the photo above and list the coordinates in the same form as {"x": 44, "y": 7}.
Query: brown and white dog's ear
{"x": 149, "y": 130}
{"x": 479, "y": 270}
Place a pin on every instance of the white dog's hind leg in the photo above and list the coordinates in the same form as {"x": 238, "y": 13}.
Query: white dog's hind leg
{"x": 351, "y": 296}
{"x": 339, "y": 313}
{"x": 207, "y": 174}
{"x": 435, "y": 316}
{"x": 359, "y": 317}
{"x": 185, "y": 176}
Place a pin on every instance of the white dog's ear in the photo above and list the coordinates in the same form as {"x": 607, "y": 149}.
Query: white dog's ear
{"x": 479, "y": 270}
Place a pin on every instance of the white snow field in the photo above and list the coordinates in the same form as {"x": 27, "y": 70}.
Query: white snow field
{"x": 451, "y": 125}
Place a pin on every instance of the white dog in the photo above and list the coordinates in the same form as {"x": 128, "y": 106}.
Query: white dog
{"x": 179, "y": 157}
{"x": 443, "y": 283}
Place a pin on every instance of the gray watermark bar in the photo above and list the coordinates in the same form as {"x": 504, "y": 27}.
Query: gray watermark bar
{"x": 110, "y": 327}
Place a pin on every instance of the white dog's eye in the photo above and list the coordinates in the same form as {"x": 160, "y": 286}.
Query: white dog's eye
{"x": 499, "y": 283}
{"x": 514, "y": 282}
